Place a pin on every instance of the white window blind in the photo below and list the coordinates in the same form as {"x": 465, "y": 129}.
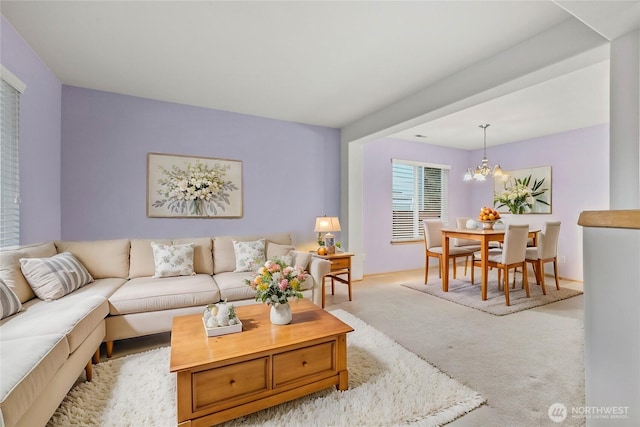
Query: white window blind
{"x": 420, "y": 191}
{"x": 10, "y": 91}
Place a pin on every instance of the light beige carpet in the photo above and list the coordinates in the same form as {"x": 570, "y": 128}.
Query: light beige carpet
{"x": 388, "y": 385}
{"x": 464, "y": 293}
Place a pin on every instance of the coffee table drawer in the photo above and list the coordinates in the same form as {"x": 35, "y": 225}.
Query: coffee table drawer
{"x": 297, "y": 364}
{"x": 228, "y": 382}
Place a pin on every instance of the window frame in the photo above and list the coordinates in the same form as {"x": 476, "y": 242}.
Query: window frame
{"x": 10, "y": 159}
{"x": 413, "y": 230}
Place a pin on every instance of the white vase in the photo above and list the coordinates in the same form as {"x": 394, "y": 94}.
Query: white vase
{"x": 280, "y": 314}
{"x": 514, "y": 219}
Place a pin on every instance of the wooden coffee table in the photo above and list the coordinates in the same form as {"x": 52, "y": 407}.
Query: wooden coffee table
{"x": 224, "y": 377}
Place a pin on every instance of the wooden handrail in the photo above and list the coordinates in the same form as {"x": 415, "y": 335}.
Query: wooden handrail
{"x": 611, "y": 219}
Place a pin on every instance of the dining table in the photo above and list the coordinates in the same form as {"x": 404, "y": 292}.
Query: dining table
{"x": 484, "y": 236}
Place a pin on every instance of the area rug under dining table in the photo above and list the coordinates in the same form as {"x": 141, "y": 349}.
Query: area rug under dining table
{"x": 388, "y": 385}
{"x": 464, "y": 293}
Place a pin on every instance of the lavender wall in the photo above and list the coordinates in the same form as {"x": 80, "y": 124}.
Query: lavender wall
{"x": 290, "y": 170}
{"x": 381, "y": 255}
{"x": 580, "y": 176}
{"x": 39, "y": 147}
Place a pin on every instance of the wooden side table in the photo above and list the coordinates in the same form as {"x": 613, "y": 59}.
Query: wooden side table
{"x": 340, "y": 266}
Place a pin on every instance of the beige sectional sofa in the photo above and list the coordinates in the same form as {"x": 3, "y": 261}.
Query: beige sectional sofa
{"x": 45, "y": 347}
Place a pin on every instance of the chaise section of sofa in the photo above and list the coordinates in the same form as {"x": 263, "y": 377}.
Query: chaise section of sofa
{"x": 45, "y": 346}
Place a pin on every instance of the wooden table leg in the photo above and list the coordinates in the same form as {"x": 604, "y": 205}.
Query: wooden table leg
{"x": 445, "y": 263}
{"x": 323, "y": 290}
{"x": 484, "y": 247}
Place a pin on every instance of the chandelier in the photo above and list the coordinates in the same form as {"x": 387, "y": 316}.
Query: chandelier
{"x": 480, "y": 172}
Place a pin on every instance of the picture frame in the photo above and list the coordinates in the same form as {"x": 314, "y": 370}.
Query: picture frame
{"x": 182, "y": 186}
{"x": 537, "y": 179}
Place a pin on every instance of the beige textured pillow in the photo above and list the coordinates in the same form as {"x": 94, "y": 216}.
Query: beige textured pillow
{"x": 301, "y": 259}
{"x": 277, "y": 250}
{"x": 173, "y": 260}
{"x": 55, "y": 277}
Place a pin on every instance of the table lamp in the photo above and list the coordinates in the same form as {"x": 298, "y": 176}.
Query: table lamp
{"x": 327, "y": 224}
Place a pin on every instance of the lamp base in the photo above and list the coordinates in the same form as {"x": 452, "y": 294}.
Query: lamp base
{"x": 330, "y": 243}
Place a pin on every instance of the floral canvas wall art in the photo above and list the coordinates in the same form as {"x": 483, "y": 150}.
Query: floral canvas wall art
{"x": 193, "y": 187}
{"x": 524, "y": 191}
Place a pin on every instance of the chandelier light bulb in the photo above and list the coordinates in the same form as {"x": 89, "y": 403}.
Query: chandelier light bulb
{"x": 480, "y": 173}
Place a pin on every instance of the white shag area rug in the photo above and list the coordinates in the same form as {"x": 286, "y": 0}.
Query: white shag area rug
{"x": 388, "y": 386}
{"x": 464, "y": 293}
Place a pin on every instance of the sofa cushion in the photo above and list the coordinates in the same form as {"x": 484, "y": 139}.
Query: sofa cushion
{"x": 202, "y": 253}
{"x": 9, "y": 302}
{"x": 232, "y": 286}
{"x": 56, "y": 276}
{"x": 277, "y": 250}
{"x": 223, "y": 255}
{"x": 150, "y": 294}
{"x": 74, "y": 316}
{"x": 27, "y": 365}
{"x": 10, "y": 267}
{"x": 103, "y": 258}
{"x": 173, "y": 260}
{"x": 141, "y": 260}
{"x": 249, "y": 255}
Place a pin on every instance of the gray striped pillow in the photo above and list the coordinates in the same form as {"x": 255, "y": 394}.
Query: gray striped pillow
{"x": 55, "y": 277}
{"x": 9, "y": 302}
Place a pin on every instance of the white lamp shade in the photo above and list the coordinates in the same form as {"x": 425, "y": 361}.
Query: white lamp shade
{"x": 327, "y": 224}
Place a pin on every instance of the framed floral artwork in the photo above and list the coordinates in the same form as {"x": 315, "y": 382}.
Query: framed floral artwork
{"x": 181, "y": 186}
{"x": 524, "y": 191}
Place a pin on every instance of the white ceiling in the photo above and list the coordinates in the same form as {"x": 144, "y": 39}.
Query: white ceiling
{"x": 324, "y": 63}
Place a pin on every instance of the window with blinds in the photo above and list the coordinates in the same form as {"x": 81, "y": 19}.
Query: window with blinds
{"x": 9, "y": 172}
{"x": 420, "y": 191}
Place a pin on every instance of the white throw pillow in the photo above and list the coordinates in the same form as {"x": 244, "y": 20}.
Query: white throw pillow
{"x": 300, "y": 259}
{"x": 249, "y": 255}
{"x": 54, "y": 277}
{"x": 173, "y": 260}
{"x": 9, "y": 302}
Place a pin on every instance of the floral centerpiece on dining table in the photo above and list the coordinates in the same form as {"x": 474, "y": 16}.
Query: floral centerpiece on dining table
{"x": 519, "y": 195}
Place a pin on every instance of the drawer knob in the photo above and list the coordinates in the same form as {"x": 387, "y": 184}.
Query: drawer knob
{"x": 232, "y": 382}
{"x": 304, "y": 363}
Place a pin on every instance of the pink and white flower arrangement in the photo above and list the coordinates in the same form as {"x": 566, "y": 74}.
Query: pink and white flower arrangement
{"x": 276, "y": 281}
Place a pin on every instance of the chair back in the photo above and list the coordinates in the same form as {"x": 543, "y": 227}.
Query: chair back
{"x": 432, "y": 233}
{"x": 515, "y": 244}
{"x": 548, "y": 240}
{"x": 461, "y": 223}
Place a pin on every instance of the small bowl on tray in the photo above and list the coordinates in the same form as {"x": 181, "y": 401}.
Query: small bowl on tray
{"x": 487, "y": 224}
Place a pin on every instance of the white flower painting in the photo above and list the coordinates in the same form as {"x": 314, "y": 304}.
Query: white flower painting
{"x": 193, "y": 187}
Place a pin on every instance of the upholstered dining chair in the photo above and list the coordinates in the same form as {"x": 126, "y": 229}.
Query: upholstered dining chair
{"x": 512, "y": 255}
{"x": 546, "y": 251}
{"x": 433, "y": 247}
{"x": 473, "y": 245}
